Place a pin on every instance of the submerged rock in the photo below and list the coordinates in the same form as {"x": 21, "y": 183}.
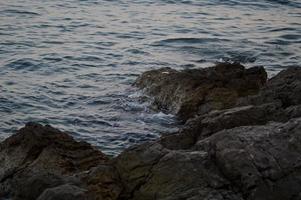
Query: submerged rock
{"x": 199, "y": 91}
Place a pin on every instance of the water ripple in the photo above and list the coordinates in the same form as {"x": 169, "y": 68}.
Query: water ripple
{"x": 72, "y": 63}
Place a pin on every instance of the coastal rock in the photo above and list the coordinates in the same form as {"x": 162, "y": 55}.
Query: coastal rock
{"x": 41, "y": 157}
{"x": 250, "y": 150}
{"x": 285, "y": 88}
{"x": 248, "y": 162}
{"x": 153, "y": 172}
{"x": 263, "y": 162}
{"x": 199, "y": 91}
{"x": 64, "y": 192}
{"x": 277, "y": 101}
{"x": 205, "y": 125}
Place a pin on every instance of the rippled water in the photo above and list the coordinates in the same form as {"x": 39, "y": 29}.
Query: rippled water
{"x": 71, "y": 63}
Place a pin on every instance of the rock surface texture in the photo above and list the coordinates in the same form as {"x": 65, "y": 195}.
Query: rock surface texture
{"x": 241, "y": 141}
{"x": 199, "y": 91}
{"x": 38, "y": 158}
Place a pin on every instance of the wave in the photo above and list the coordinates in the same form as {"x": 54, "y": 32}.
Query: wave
{"x": 18, "y": 12}
{"x": 188, "y": 40}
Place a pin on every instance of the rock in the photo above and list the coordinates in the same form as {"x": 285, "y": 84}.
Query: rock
{"x": 232, "y": 146}
{"x": 64, "y": 192}
{"x": 152, "y": 172}
{"x": 205, "y": 125}
{"x": 198, "y": 91}
{"x": 277, "y": 101}
{"x": 102, "y": 182}
{"x": 250, "y": 151}
{"x": 29, "y": 185}
{"x": 259, "y": 160}
{"x": 134, "y": 166}
{"x": 285, "y": 88}
{"x": 43, "y": 157}
{"x": 246, "y": 162}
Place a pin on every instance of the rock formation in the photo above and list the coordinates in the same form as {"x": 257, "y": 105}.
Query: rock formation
{"x": 241, "y": 141}
{"x": 199, "y": 91}
{"x": 38, "y": 158}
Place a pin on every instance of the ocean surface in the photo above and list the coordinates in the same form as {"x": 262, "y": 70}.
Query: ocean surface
{"x": 71, "y": 63}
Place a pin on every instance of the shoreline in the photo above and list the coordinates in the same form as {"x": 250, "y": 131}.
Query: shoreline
{"x": 241, "y": 140}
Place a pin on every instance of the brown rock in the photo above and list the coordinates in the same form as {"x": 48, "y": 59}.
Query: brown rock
{"x": 198, "y": 91}
{"x": 43, "y": 157}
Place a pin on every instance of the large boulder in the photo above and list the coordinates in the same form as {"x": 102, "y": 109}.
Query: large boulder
{"x": 249, "y": 162}
{"x": 198, "y": 91}
{"x": 279, "y": 100}
{"x": 42, "y": 157}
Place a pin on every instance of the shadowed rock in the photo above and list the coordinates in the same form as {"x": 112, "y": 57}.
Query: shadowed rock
{"x": 198, "y": 91}
{"x": 41, "y": 157}
{"x": 277, "y": 101}
{"x": 64, "y": 192}
{"x": 284, "y": 88}
{"x": 249, "y": 162}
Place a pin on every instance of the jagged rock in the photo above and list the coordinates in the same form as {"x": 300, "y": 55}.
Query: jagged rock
{"x": 262, "y": 161}
{"x": 43, "y": 157}
{"x": 277, "y": 101}
{"x": 248, "y": 162}
{"x": 208, "y": 124}
{"x": 153, "y": 172}
{"x": 198, "y": 91}
{"x": 285, "y": 88}
{"x": 233, "y": 153}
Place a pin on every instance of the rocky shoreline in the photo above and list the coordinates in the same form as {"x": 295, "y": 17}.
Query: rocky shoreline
{"x": 241, "y": 141}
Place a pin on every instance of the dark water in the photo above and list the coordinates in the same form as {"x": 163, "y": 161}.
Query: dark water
{"x": 71, "y": 63}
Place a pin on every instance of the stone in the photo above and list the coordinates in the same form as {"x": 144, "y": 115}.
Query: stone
{"x": 250, "y": 150}
{"x": 64, "y": 192}
{"x": 246, "y": 162}
{"x": 40, "y": 157}
{"x": 199, "y": 91}
{"x": 285, "y": 88}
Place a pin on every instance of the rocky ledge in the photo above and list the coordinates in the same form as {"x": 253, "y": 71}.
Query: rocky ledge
{"x": 241, "y": 141}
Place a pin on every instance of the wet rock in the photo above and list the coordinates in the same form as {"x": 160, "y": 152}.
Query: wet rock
{"x": 198, "y": 91}
{"x": 277, "y": 101}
